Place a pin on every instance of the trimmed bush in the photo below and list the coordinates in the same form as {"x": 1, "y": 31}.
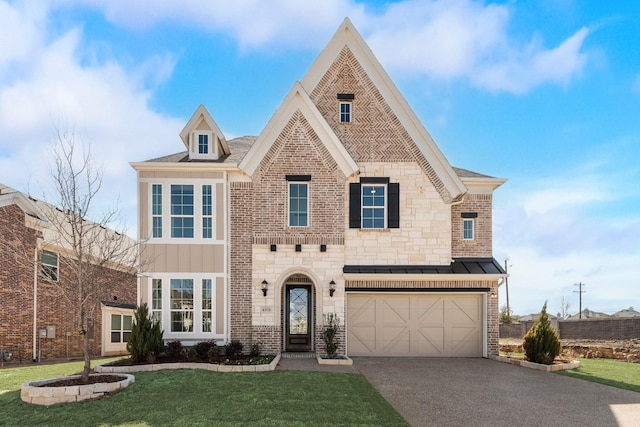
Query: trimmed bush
{"x": 173, "y": 348}
{"x": 542, "y": 344}
{"x": 234, "y": 348}
{"x": 145, "y": 342}
{"x": 330, "y": 334}
{"x": 256, "y": 350}
{"x": 203, "y": 348}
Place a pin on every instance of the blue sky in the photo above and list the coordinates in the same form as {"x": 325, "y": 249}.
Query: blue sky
{"x": 545, "y": 93}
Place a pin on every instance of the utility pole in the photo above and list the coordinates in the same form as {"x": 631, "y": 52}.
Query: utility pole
{"x": 506, "y": 284}
{"x": 580, "y": 292}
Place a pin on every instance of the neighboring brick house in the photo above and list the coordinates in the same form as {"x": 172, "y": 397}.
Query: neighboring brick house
{"x": 32, "y": 266}
{"x": 343, "y": 204}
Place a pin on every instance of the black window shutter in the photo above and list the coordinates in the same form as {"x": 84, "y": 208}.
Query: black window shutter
{"x": 393, "y": 213}
{"x": 354, "y": 205}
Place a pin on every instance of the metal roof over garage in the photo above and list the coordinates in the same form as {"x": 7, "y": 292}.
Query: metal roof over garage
{"x": 458, "y": 266}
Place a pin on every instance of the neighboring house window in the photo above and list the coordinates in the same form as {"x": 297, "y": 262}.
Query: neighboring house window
{"x": 156, "y": 215}
{"x": 345, "y": 112}
{"x": 156, "y": 301}
{"x": 468, "y": 229}
{"x": 182, "y": 211}
{"x": 50, "y": 265}
{"x": 207, "y": 305}
{"x": 203, "y": 143}
{"x": 120, "y": 328}
{"x": 298, "y": 204}
{"x": 374, "y": 203}
{"x": 207, "y": 212}
{"x": 181, "y": 299}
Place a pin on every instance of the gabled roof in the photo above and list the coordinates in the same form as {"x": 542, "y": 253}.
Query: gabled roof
{"x": 298, "y": 100}
{"x": 347, "y": 35}
{"x": 201, "y": 114}
{"x": 10, "y": 196}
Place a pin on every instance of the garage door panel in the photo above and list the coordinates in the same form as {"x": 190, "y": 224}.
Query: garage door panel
{"x": 439, "y": 325}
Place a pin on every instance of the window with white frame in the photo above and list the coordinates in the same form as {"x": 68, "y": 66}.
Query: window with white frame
{"x": 203, "y": 143}
{"x": 468, "y": 229}
{"x": 120, "y": 328}
{"x": 50, "y": 265}
{"x": 345, "y": 112}
{"x": 207, "y": 212}
{"x": 182, "y": 305}
{"x": 156, "y": 210}
{"x": 207, "y": 305}
{"x": 374, "y": 201}
{"x": 182, "y": 211}
{"x": 156, "y": 301}
{"x": 298, "y": 204}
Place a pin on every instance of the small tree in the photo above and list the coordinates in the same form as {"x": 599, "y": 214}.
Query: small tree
{"x": 330, "y": 334}
{"x": 506, "y": 316}
{"x": 541, "y": 343}
{"x": 145, "y": 342}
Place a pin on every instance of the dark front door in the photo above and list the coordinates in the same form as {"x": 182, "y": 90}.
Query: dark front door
{"x": 298, "y": 318}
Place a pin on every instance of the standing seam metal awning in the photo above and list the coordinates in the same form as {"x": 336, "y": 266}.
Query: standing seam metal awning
{"x": 458, "y": 266}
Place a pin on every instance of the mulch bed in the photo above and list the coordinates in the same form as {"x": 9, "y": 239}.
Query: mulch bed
{"x": 93, "y": 379}
{"x": 243, "y": 359}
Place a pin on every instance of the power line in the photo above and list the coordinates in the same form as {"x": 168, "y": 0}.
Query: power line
{"x": 580, "y": 292}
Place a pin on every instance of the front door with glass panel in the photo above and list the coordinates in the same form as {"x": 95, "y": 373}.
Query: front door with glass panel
{"x": 298, "y": 318}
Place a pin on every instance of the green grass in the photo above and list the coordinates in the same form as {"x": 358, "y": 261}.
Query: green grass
{"x": 606, "y": 371}
{"x": 202, "y": 398}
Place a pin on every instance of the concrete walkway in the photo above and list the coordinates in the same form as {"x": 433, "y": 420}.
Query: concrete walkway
{"x": 481, "y": 392}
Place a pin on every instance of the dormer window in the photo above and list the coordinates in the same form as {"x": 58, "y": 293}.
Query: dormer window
{"x": 203, "y": 145}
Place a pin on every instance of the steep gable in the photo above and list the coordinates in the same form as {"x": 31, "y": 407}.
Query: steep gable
{"x": 203, "y": 138}
{"x": 383, "y": 127}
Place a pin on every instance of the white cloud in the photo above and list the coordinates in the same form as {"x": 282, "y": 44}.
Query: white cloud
{"x": 104, "y": 104}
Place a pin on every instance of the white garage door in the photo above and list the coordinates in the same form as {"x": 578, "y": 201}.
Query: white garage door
{"x": 431, "y": 325}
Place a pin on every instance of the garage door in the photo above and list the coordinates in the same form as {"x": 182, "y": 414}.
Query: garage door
{"x": 431, "y": 325}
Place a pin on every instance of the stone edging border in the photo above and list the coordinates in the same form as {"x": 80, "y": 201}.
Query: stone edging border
{"x": 187, "y": 365}
{"x": 33, "y": 391}
{"x": 537, "y": 366}
{"x": 344, "y": 360}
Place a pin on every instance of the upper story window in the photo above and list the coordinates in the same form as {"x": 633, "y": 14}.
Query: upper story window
{"x": 203, "y": 143}
{"x": 345, "y": 112}
{"x": 468, "y": 229}
{"x": 156, "y": 210}
{"x": 182, "y": 211}
{"x": 207, "y": 212}
{"x": 298, "y": 204}
{"x": 50, "y": 265}
{"x": 374, "y": 203}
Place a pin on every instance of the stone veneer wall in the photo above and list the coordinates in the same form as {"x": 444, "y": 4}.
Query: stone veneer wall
{"x": 481, "y": 245}
{"x": 424, "y": 236}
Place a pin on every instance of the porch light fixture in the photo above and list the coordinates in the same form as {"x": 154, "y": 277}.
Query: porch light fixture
{"x": 332, "y": 288}
{"x": 493, "y": 294}
{"x": 264, "y": 287}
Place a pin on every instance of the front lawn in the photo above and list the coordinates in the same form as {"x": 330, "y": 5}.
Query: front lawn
{"x": 606, "y": 371}
{"x": 202, "y": 398}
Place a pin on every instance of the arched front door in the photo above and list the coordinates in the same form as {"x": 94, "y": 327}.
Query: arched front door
{"x": 298, "y": 317}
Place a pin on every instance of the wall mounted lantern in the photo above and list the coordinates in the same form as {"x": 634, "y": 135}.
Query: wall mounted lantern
{"x": 264, "y": 287}
{"x": 332, "y": 287}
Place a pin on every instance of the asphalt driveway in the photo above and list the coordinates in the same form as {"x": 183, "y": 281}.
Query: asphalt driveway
{"x": 481, "y": 392}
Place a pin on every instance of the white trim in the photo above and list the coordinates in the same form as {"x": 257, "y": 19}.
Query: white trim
{"x": 194, "y": 145}
{"x": 202, "y": 115}
{"x": 350, "y": 114}
{"x": 485, "y": 324}
{"x": 385, "y": 207}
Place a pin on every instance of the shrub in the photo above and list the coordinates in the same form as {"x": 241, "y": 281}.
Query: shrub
{"x": 541, "y": 344}
{"x": 330, "y": 334}
{"x": 203, "y": 348}
{"x": 173, "y": 348}
{"x": 190, "y": 353}
{"x": 256, "y": 350}
{"x": 234, "y": 348}
{"x": 145, "y": 342}
{"x": 213, "y": 352}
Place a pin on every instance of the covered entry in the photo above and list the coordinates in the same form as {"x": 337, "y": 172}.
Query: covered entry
{"x": 415, "y": 324}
